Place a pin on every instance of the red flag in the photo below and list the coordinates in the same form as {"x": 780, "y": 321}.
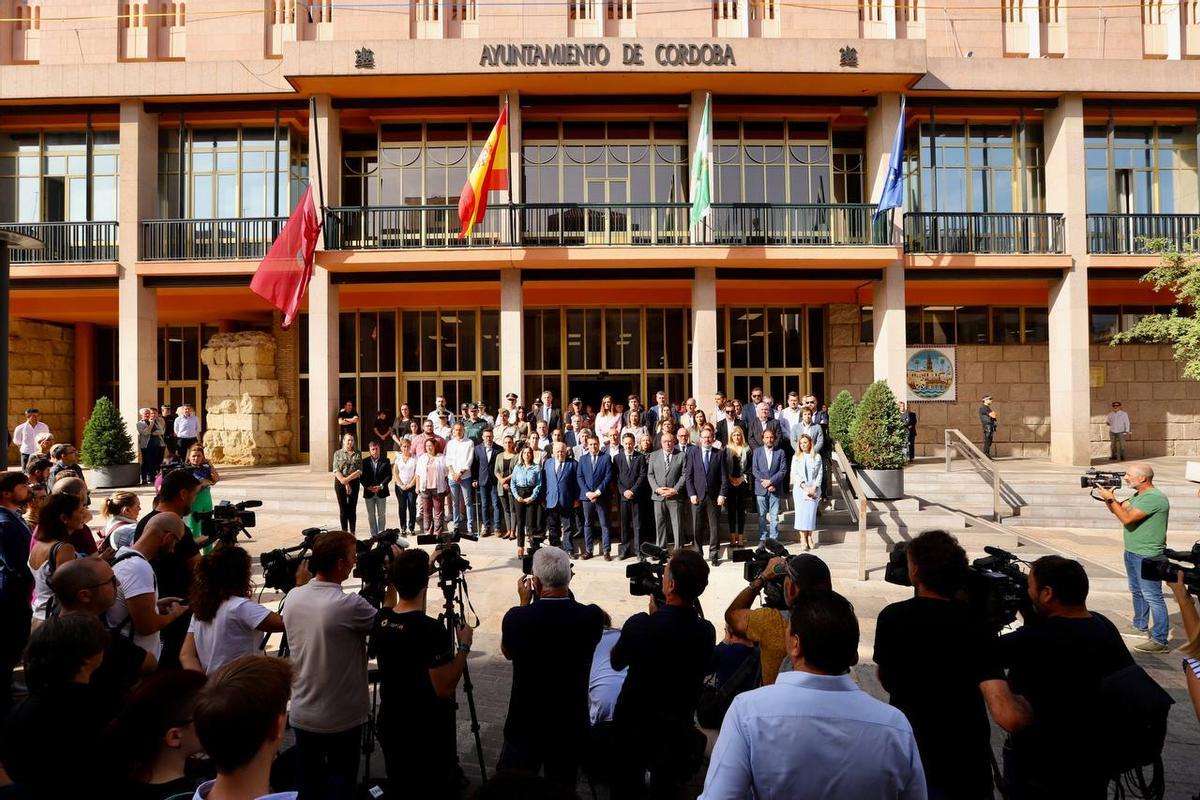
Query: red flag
{"x": 284, "y": 274}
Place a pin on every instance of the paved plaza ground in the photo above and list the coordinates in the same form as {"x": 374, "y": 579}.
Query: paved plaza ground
{"x": 495, "y": 571}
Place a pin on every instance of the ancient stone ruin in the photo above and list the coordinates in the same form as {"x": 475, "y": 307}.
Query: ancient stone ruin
{"x": 247, "y": 419}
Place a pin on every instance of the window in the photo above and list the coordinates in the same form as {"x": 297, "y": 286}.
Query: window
{"x": 44, "y": 177}
{"x": 780, "y": 349}
{"x": 971, "y": 325}
{"x": 1141, "y": 170}
{"x": 977, "y": 168}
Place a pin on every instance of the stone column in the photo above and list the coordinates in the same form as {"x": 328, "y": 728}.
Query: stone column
{"x": 323, "y": 400}
{"x": 705, "y": 379}
{"x": 1070, "y": 395}
{"x": 695, "y": 119}
{"x": 887, "y": 305}
{"x": 137, "y": 306}
{"x": 512, "y": 337}
{"x": 889, "y": 18}
{"x": 325, "y": 136}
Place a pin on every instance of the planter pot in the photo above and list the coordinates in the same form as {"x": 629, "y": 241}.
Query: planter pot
{"x": 116, "y": 476}
{"x": 882, "y": 484}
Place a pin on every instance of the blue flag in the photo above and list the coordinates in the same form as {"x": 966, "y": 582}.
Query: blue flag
{"x": 893, "y": 188}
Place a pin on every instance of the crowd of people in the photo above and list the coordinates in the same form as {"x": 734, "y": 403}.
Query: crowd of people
{"x": 591, "y": 479}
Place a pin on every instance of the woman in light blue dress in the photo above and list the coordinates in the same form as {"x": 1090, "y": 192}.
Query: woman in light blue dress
{"x": 806, "y": 476}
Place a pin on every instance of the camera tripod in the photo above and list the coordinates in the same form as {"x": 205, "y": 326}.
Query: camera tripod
{"x": 454, "y": 613}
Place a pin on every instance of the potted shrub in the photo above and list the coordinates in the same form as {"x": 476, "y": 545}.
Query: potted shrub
{"x": 841, "y": 416}
{"x": 107, "y": 449}
{"x": 880, "y": 440}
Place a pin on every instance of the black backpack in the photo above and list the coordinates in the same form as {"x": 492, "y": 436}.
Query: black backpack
{"x": 1135, "y": 710}
{"x": 716, "y": 699}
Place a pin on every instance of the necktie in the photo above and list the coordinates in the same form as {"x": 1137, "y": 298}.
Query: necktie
{"x": 668, "y": 460}
{"x": 706, "y": 460}
{"x": 558, "y": 470}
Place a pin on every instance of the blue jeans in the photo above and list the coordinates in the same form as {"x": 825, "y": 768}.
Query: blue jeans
{"x": 462, "y": 500}
{"x": 768, "y": 512}
{"x": 1147, "y": 600}
{"x": 489, "y": 507}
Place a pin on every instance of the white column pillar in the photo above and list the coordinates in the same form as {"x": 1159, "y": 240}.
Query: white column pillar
{"x": 1070, "y": 395}
{"x": 137, "y": 306}
{"x": 889, "y": 18}
{"x": 887, "y": 306}
{"x": 515, "y": 176}
{"x": 325, "y": 138}
{"x": 323, "y": 400}
{"x": 705, "y": 379}
{"x": 1033, "y": 24}
{"x": 1172, "y": 19}
{"x": 512, "y": 336}
{"x": 695, "y": 120}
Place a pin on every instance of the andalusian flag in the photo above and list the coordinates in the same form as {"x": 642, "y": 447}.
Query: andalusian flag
{"x": 702, "y": 166}
{"x": 489, "y": 172}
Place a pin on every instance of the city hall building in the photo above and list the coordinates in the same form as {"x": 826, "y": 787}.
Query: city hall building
{"x": 157, "y": 147}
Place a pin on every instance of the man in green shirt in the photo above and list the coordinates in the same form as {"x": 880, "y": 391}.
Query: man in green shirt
{"x": 474, "y": 425}
{"x": 1144, "y": 518}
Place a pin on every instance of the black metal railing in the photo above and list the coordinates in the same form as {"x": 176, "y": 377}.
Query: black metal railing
{"x": 983, "y": 233}
{"x": 1116, "y": 234}
{"x": 795, "y": 225}
{"x": 606, "y": 224}
{"x": 66, "y": 242}
{"x": 208, "y": 239}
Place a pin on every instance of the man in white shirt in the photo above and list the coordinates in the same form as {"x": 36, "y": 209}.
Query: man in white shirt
{"x": 789, "y": 418}
{"x": 788, "y": 740}
{"x": 25, "y": 435}
{"x": 327, "y": 631}
{"x": 187, "y": 430}
{"x": 439, "y": 408}
{"x": 139, "y": 613}
{"x": 460, "y": 457}
{"x": 604, "y": 685}
{"x": 688, "y": 418}
{"x": 1118, "y": 431}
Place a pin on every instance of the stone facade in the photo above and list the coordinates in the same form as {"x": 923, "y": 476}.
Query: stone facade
{"x": 248, "y": 420}
{"x": 41, "y": 375}
{"x": 287, "y": 369}
{"x": 1163, "y": 407}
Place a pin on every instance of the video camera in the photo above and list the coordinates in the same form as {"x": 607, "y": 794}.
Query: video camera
{"x": 374, "y": 559}
{"x": 1095, "y": 479}
{"x": 755, "y": 562}
{"x": 228, "y": 520}
{"x": 436, "y": 539}
{"x": 995, "y": 589}
{"x": 1161, "y": 569}
{"x": 279, "y": 566}
{"x": 646, "y": 579}
{"x": 451, "y": 564}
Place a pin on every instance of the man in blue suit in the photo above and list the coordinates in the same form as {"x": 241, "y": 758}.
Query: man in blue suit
{"x": 562, "y": 496}
{"x": 770, "y": 482}
{"x": 705, "y": 475}
{"x": 484, "y": 479}
{"x": 595, "y": 475}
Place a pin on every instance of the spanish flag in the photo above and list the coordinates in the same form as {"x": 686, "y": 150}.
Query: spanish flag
{"x": 489, "y": 172}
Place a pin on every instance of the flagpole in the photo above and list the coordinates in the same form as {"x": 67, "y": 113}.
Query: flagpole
{"x": 316, "y": 134}
{"x": 512, "y": 220}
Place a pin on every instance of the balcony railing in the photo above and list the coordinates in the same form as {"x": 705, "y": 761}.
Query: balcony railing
{"x": 605, "y": 224}
{"x": 66, "y": 242}
{"x": 1115, "y": 234}
{"x": 982, "y": 233}
{"x": 208, "y": 239}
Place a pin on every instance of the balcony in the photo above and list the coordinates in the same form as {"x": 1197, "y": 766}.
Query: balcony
{"x": 1127, "y": 234}
{"x": 208, "y": 239}
{"x": 983, "y": 233}
{"x": 606, "y": 225}
{"x": 67, "y": 242}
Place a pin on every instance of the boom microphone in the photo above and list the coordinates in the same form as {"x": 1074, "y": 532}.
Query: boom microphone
{"x": 654, "y": 551}
{"x": 996, "y": 551}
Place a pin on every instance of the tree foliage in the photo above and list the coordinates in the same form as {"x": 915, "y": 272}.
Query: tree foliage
{"x": 878, "y": 434}
{"x": 106, "y": 441}
{"x": 1178, "y": 276}
{"x": 841, "y": 416}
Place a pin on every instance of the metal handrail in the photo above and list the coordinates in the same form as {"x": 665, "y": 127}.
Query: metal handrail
{"x": 956, "y": 439}
{"x": 1127, "y": 234}
{"x": 66, "y": 242}
{"x": 843, "y": 463}
{"x": 1006, "y": 233}
{"x": 208, "y": 239}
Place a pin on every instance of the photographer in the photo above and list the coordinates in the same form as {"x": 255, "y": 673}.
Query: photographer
{"x": 419, "y": 670}
{"x": 1058, "y": 662}
{"x": 668, "y": 652}
{"x": 1144, "y": 520}
{"x": 768, "y": 627}
{"x": 554, "y": 636}
{"x": 225, "y": 622}
{"x": 938, "y": 666}
{"x": 327, "y": 631}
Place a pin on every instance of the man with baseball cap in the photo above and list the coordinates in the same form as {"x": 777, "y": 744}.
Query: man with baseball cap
{"x": 987, "y": 419}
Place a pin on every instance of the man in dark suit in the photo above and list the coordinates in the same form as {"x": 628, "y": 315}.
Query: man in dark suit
{"x": 595, "y": 475}
{"x": 910, "y": 423}
{"x": 630, "y": 466}
{"x": 549, "y": 413}
{"x": 573, "y": 435}
{"x": 484, "y": 480}
{"x": 561, "y": 490}
{"x": 761, "y": 424}
{"x": 770, "y": 483}
{"x": 750, "y": 409}
{"x": 656, "y": 412}
{"x": 667, "y": 482}
{"x": 727, "y": 422}
{"x": 705, "y": 477}
{"x": 376, "y": 474}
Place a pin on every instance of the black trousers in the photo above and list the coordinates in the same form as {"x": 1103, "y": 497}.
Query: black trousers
{"x": 429, "y": 743}
{"x": 560, "y": 525}
{"x": 706, "y": 518}
{"x": 988, "y": 432}
{"x": 527, "y": 515}
{"x": 152, "y": 459}
{"x": 631, "y": 527}
{"x": 15, "y": 618}
{"x": 736, "y": 503}
{"x": 347, "y": 500}
{"x": 328, "y": 764}
{"x": 560, "y": 765}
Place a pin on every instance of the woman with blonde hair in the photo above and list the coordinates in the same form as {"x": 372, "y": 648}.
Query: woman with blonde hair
{"x": 737, "y": 467}
{"x": 121, "y": 510}
{"x": 807, "y": 473}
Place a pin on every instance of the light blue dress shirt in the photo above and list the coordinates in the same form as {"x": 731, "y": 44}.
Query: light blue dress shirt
{"x": 814, "y": 736}
{"x": 604, "y": 686}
